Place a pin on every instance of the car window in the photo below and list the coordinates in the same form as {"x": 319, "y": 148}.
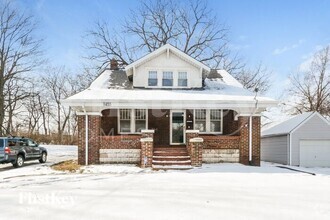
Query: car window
{"x": 12, "y": 142}
{"x": 31, "y": 143}
{"x": 2, "y": 142}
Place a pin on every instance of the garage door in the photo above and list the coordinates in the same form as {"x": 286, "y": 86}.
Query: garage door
{"x": 315, "y": 153}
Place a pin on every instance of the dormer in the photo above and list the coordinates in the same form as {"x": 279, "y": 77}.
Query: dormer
{"x": 167, "y": 68}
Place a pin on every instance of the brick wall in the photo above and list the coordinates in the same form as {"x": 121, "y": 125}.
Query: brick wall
{"x": 93, "y": 139}
{"x": 120, "y": 142}
{"x": 244, "y": 140}
{"x": 220, "y": 142}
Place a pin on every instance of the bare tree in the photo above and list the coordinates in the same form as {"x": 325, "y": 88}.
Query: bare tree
{"x": 59, "y": 85}
{"x": 19, "y": 51}
{"x": 192, "y": 27}
{"x": 256, "y": 78}
{"x": 311, "y": 88}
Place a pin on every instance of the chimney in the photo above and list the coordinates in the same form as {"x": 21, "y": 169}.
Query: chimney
{"x": 114, "y": 64}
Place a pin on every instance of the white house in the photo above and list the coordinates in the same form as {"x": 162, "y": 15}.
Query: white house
{"x": 303, "y": 140}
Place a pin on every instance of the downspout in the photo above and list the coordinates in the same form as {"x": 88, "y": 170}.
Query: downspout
{"x": 86, "y": 136}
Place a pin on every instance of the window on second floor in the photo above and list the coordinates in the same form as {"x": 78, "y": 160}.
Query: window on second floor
{"x": 182, "y": 79}
{"x": 152, "y": 80}
{"x": 167, "y": 78}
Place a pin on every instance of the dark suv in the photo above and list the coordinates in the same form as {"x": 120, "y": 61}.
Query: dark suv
{"x": 16, "y": 150}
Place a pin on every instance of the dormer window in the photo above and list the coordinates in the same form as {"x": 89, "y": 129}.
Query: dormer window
{"x": 167, "y": 78}
{"x": 152, "y": 80}
{"x": 182, "y": 79}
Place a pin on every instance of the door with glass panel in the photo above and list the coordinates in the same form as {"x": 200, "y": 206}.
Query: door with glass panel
{"x": 177, "y": 127}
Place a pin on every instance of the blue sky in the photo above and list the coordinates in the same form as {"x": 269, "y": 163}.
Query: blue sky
{"x": 282, "y": 34}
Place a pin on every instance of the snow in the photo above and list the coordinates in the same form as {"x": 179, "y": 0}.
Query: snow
{"x": 214, "y": 191}
{"x": 229, "y": 79}
{"x": 102, "y": 81}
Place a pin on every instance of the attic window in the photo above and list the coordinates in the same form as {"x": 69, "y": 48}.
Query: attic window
{"x": 167, "y": 78}
{"x": 182, "y": 79}
{"x": 152, "y": 80}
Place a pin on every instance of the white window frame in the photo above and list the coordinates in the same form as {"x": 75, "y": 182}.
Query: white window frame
{"x": 169, "y": 72}
{"x": 186, "y": 74}
{"x": 132, "y": 113}
{"x": 208, "y": 122}
{"x": 153, "y": 72}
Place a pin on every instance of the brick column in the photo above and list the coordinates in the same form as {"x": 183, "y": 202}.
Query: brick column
{"x": 196, "y": 151}
{"x": 147, "y": 148}
{"x": 94, "y": 122}
{"x": 244, "y": 140}
{"x": 189, "y": 135}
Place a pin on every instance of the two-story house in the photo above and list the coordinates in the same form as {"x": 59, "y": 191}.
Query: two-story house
{"x": 168, "y": 109}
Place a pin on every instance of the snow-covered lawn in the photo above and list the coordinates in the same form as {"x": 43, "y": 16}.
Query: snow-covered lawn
{"x": 219, "y": 191}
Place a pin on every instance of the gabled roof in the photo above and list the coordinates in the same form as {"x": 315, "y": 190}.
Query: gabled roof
{"x": 288, "y": 126}
{"x": 165, "y": 48}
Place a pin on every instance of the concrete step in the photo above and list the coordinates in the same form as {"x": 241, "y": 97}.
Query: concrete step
{"x": 172, "y": 167}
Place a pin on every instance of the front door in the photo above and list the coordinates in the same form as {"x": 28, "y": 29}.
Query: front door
{"x": 177, "y": 127}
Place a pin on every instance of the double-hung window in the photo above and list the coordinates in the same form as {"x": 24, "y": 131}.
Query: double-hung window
{"x": 208, "y": 120}
{"x": 132, "y": 120}
{"x": 125, "y": 120}
{"x": 182, "y": 79}
{"x": 140, "y": 120}
{"x": 152, "y": 80}
{"x": 200, "y": 120}
{"x": 167, "y": 78}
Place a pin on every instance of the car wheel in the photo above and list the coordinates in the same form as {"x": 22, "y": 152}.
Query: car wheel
{"x": 43, "y": 157}
{"x": 19, "y": 161}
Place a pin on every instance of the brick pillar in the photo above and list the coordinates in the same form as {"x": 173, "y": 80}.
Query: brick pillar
{"x": 244, "y": 140}
{"x": 196, "y": 151}
{"x": 147, "y": 148}
{"x": 189, "y": 135}
{"x": 94, "y": 122}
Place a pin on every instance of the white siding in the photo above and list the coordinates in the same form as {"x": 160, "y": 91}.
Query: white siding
{"x": 275, "y": 149}
{"x": 167, "y": 63}
{"x": 315, "y": 128}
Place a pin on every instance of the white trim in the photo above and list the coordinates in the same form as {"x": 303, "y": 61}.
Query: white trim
{"x": 196, "y": 139}
{"x": 307, "y": 119}
{"x": 184, "y": 126}
{"x": 148, "y": 131}
{"x": 147, "y": 139}
{"x": 208, "y": 122}
{"x": 89, "y": 113}
{"x": 192, "y": 131}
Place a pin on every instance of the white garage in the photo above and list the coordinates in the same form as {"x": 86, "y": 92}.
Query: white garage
{"x": 303, "y": 140}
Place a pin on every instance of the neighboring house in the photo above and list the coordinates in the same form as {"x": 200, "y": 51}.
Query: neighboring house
{"x": 168, "y": 109}
{"x": 303, "y": 140}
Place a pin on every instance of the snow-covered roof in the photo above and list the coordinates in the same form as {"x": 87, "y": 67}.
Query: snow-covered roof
{"x": 286, "y": 127}
{"x": 167, "y": 47}
{"x": 113, "y": 86}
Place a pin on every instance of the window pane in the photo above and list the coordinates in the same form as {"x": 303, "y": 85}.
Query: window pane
{"x": 182, "y": 82}
{"x": 200, "y": 125}
{"x": 167, "y": 75}
{"x": 200, "y": 114}
{"x": 152, "y": 74}
{"x": 182, "y": 75}
{"x": 215, "y": 126}
{"x": 125, "y": 125}
{"x": 152, "y": 80}
{"x": 140, "y": 125}
{"x": 167, "y": 82}
{"x": 215, "y": 114}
